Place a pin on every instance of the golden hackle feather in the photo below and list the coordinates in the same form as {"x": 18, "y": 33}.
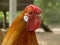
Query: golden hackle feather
{"x": 18, "y": 34}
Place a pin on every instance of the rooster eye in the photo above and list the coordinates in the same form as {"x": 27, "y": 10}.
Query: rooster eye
{"x": 30, "y": 12}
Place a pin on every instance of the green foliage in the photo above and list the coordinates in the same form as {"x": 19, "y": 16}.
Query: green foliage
{"x": 7, "y": 14}
{"x": 1, "y": 15}
{"x": 51, "y": 10}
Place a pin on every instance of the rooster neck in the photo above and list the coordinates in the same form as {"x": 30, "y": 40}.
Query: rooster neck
{"x": 18, "y": 34}
{"x": 26, "y": 38}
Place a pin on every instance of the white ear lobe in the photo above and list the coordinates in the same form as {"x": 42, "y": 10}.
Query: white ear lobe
{"x": 25, "y": 18}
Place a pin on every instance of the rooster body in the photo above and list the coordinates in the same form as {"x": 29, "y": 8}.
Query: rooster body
{"x": 20, "y": 32}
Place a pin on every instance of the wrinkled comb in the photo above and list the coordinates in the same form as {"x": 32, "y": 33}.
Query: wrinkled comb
{"x": 35, "y": 8}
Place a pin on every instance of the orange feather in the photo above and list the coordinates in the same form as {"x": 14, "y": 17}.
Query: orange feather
{"x": 18, "y": 34}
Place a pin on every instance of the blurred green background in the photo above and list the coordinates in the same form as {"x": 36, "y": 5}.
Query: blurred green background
{"x": 50, "y": 9}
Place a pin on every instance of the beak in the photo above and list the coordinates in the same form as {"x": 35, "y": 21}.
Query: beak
{"x": 26, "y": 17}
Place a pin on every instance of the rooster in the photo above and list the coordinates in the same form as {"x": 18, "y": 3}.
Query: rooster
{"x": 22, "y": 29}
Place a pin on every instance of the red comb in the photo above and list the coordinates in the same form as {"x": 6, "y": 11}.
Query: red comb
{"x": 35, "y": 8}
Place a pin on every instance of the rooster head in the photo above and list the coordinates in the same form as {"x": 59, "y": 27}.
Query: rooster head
{"x": 32, "y": 17}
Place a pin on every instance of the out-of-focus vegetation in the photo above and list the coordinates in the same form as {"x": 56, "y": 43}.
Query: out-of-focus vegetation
{"x": 7, "y": 14}
{"x": 51, "y": 10}
{"x": 1, "y": 16}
